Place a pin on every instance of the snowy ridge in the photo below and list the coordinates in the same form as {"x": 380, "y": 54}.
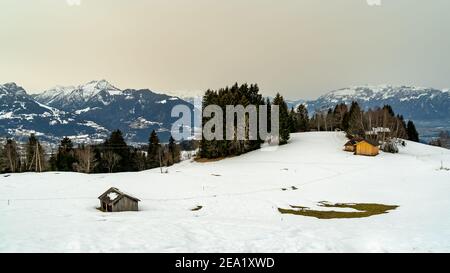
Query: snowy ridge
{"x": 73, "y": 97}
{"x": 92, "y": 109}
{"x": 21, "y": 115}
{"x": 367, "y": 93}
{"x": 417, "y": 103}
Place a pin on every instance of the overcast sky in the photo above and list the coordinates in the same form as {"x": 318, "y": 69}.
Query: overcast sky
{"x": 301, "y": 48}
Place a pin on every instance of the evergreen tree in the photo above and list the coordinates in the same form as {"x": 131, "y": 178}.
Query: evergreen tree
{"x": 65, "y": 158}
{"x": 413, "y": 135}
{"x": 302, "y": 118}
{"x": 283, "y": 119}
{"x": 52, "y": 163}
{"x": 339, "y": 115}
{"x": 117, "y": 153}
{"x": 293, "y": 121}
{"x": 355, "y": 120}
{"x": 154, "y": 151}
{"x": 174, "y": 151}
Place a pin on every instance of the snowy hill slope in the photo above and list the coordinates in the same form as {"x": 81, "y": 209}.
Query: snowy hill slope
{"x": 240, "y": 198}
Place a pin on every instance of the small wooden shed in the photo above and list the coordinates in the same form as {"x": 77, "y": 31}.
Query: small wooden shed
{"x": 113, "y": 200}
{"x": 367, "y": 148}
{"x": 350, "y": 146}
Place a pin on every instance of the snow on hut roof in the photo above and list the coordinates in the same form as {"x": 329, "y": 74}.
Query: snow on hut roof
{"x": 114, "y": 195}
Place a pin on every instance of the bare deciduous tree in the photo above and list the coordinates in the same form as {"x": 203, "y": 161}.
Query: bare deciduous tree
{"x": 86, "y": 159}
{"x": 111, "y": 159}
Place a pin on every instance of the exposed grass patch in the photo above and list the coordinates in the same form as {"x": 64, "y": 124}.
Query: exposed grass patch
{"x": 197, "y": 208}
{"x": 207, "y": 160}
{"x": 362, "y": 210}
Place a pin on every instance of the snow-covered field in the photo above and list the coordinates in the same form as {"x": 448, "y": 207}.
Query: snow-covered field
{"x": 56, "y": 212}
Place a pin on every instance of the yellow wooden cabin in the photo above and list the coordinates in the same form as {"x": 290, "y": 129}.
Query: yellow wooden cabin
{"x": 364, "y": 147}
{"x": 350, "y": 146}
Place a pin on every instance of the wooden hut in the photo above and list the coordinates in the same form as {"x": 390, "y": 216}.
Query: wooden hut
{"x": 350, "y": 146}
{"x": 367, "y": 148}
{"x": 113, "y": 200}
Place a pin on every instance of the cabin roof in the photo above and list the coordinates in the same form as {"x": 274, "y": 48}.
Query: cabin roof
{"x": 113, "y": 195}
{"x": 354, "y": 141}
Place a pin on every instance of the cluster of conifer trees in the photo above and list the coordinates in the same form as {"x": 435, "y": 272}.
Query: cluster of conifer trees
{"x": 114, "y": 155}
{"x": 241, "y": 95}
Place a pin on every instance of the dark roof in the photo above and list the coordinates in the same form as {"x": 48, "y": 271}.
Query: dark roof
{"x": 105, "y": 196}
{"x": 354, "y": 141}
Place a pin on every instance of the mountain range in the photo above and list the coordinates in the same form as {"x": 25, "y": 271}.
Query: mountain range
{"x": 429, "y": 108}
{"x": 89, "y": 112}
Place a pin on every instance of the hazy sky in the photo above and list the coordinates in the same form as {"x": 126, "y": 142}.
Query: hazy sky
{"x": 301, "y": 48}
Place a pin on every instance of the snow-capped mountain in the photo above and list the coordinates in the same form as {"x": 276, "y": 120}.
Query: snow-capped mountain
{"x": 429, "y": 108}
{"x": 21, "y": 115}
{"x": 92, "y": 94}
{"x": 135, "y": 112}
{"x": 412, "y": 102}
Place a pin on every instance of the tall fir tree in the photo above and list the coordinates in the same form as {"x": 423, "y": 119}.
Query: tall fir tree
{"x": 283, "y": 119}
{"x": 302, "y": 118}
{"x": 355, "y": 120}
{"x": 174, "y": 151}
{"x": 154, "y": 151}
{"x": 293, "y": 122}
{"x": 413, "y": 135}
{"x": 117, "y": 152}
{"x": 65, "y": 158}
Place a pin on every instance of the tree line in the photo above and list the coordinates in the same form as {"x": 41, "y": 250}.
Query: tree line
{"x": 244, "y": 95}
{"x": 355, "y": 121}
{"x": 113, "y": 155}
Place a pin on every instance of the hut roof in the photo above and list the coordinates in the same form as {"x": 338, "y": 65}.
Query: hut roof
{"x": 354, "y": 141}
{"x": 113, "y": 195}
